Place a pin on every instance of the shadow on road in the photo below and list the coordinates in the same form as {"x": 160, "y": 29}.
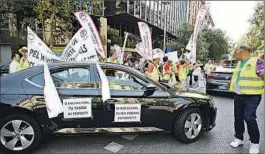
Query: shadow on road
{"x": 222, "y": 94}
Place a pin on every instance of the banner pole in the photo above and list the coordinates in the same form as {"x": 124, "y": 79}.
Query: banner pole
{"x": 124, "y": 43}
{"x": 123, "y": 47}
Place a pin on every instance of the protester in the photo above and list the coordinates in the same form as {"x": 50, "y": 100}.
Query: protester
{"x": 208, "y": 68}
{"x": 248, "y": 84}
{"x": 182, "y": 73}
{"x": 113, "y": 57}
{"x": 166, "y": 70}
{"x": 176, "y": 71}
{"x": 198, "y": 79}
{"x": 24, "y": 63}
{"x": 153, "y": 71}
{"x": 14, "y": 65}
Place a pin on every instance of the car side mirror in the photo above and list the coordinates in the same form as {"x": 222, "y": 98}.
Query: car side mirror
{"x": 151, "y": 88}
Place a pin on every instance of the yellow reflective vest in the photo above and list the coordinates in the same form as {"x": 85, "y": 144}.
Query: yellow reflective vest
{"x": 249, "y": 82}
{"x": 182, "y": 72}
{"x": 24, "y": 64}
{"x": 154, "y": 74}
{"x": 110, "y": 60}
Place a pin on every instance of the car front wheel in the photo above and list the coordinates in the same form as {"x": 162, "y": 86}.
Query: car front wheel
{"x": 188, "y": 125}
{"x": 19, "y": 134}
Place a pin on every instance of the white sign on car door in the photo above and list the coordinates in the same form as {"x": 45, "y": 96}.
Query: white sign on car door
{"x": 127, "y": 113}
{"x": 77, "y": 108}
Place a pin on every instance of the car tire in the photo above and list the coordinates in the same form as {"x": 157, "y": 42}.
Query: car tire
{"x": 25, "y": 132}
{"x": 185, "y": 129}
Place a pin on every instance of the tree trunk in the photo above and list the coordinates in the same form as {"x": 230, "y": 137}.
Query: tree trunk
{"x": 51, "y": 30}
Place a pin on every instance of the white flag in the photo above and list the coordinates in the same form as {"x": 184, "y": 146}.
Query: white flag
{"x": 105, "y": 91}
{"x": 38, "y": 52}
{"x": 80, "y": 48}
{"x": 86, "y": 21}
{"x": 146, "y": 38}
{"x": 52, "y": 100}
{"x": 140, "y": 50}
{"x": 160, "y": 53}
{"x": 119, "y": 53}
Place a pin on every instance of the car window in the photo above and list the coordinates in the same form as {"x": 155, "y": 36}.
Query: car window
{"x": 67, "y": 78}
{"x": 121, "y": 80}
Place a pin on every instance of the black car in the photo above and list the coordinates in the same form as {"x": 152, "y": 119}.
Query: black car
{"x": 24, "y": 119}
{"x": 4, "y": 70}
{"x": 219, "y": 79}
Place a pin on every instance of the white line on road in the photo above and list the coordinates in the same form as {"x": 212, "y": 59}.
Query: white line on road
{"x": 113, "y": 147}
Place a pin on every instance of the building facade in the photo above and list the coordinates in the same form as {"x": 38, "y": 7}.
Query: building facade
{"x": 192, "y": 11}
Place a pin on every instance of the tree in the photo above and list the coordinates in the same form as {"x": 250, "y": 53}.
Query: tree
{"x": 17, "y": 14}
{"x": 255, "y": 35}
{"x": 213, "y": 44}
{"x": 56, "y": 16}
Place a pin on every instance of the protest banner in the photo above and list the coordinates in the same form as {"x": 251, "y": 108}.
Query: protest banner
{"x": 86, "y": 21}
{"x": 38, "y": 52}
{"x": 80, "y": 48}
{"x": 127, "y": 113}
{"x": 140, "y": 50}
{"x": 197, "y": 28}
{"x": 146, "y": 38}
{"x": 52, "y": 100}
{"x": 77, "y": 108}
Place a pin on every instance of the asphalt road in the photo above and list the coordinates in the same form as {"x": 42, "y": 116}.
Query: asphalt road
{"x": 215, "y": 141}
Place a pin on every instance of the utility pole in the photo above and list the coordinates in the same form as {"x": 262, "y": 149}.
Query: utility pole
{"x": 165, "y": 26}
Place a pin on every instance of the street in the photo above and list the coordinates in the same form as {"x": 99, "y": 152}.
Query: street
{"x": 215, "y": 141}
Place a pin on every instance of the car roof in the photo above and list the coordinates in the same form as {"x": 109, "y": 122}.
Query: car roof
{"x": 39, "y": 68}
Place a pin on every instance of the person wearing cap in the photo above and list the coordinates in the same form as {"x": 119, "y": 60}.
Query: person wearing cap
{"x": 14, "y": 65}
{"x": 248, "y": 85}
{"x": 24, "y": 63}
{"x": 113, "y": 57}
{"x": 153, "y": 71}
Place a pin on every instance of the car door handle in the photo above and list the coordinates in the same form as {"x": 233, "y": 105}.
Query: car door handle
{"x": 111, "y": 101}
{"x": 40, "y": 99}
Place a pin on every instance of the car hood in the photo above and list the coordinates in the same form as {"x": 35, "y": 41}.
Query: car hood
{"x": 177, "y": 92}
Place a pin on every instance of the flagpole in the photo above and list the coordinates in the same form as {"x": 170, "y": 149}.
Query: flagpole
{"x": 124, "y": 44}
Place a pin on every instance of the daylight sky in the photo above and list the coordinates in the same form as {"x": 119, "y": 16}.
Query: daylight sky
{"x": 232, "y": 16}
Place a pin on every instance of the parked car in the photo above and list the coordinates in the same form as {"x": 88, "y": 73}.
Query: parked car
{"x": 24, "y": 119}
{"x": 219, "y": 79}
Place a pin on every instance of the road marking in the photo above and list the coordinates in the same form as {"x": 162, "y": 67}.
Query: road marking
{"x": 129, "y": 137}
{"x": 113, "y": 147}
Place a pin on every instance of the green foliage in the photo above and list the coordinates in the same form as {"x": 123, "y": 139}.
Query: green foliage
{"x": 185, "y": 32}
{"x": 211, "y": 43}
{"x": 21, "y": 9}
{"x": 255, "y": 35}
{"x": 214, "y": 44}
{"x": 59, "y": 16}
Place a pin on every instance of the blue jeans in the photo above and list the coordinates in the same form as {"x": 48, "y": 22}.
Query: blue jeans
{"x": 245, "y": 107}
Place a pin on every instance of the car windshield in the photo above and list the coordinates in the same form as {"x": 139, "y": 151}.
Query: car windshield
{"x": 230, "y": 64}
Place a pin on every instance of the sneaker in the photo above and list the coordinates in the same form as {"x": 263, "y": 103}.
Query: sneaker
{"x": 236, "y": 143}
{"x": 254, "y": 148}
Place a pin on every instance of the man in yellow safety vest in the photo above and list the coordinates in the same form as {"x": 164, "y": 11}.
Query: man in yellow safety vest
{"x": 248, "y": 84}
{"x": 14, "y": 65}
